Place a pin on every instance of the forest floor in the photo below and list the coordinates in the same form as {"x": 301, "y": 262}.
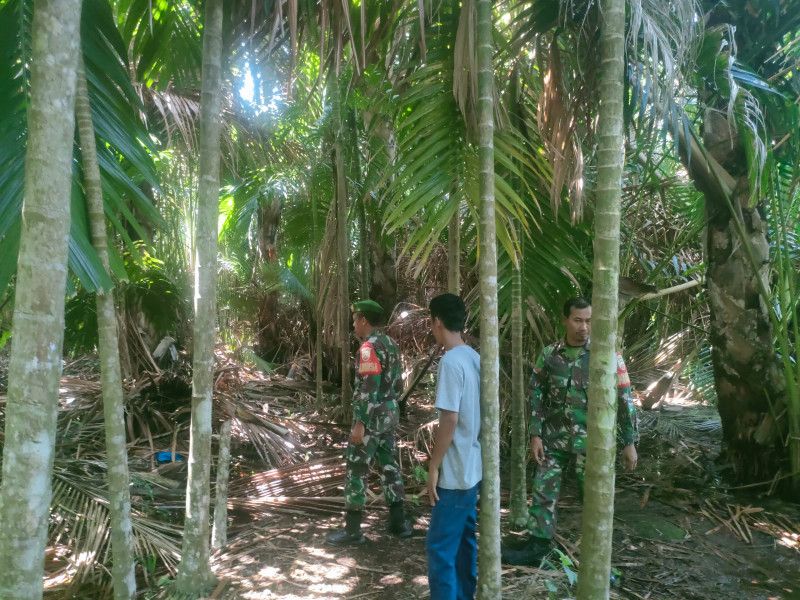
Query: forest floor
{"x": 679, "y": 532}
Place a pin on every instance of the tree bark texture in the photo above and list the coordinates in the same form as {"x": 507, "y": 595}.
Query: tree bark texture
{"x": 119, "y": 498}
{"x": 194, "y": 573}
{"x": 454, "y": 254}
{"x": 519, "y": 422}
{"x": 598, "y": 505}
{"x": 750, "y": 385}
{"x": 219, "y": 535}
{"x": 342, "y": 239}
{"x": 38, "y": 325}
{"x": 489, "y": 581}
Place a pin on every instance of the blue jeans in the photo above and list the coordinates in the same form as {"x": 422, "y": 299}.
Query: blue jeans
{"x": 452, "y": 546}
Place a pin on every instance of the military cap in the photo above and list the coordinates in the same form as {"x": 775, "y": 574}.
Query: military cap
{"x": 369, "y": 306}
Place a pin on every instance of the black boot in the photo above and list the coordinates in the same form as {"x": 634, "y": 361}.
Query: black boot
{"x": 530, "y": 555}
{"x": 397, "y": 524}
{"x": 350, "y": 534}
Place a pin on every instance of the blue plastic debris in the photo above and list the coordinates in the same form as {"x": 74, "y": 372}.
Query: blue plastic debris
{"x": 165, "y": 457}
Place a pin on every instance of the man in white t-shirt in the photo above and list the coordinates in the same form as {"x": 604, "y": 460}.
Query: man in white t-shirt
{"x": 454, "y": 474}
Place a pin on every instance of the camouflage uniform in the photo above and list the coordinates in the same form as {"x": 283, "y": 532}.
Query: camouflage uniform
{"x": 378, "y": 388}
{"x": 558, "y": 392}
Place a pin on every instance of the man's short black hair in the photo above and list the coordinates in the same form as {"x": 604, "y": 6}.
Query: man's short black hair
{"x": 373, "y": 318}
{"x": 450, "y": 310}
{"x": 578, "y": 302}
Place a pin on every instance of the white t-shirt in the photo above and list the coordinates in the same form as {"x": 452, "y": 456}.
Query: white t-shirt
{"x": 459, "y": 390}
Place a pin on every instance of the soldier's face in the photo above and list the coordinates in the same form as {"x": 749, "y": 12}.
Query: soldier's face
{"x": 578, "y": 325}
{"x": 358, "y": 325}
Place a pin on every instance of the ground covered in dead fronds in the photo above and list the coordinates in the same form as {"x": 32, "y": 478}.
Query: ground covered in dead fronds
{"x": 680, "y": 532}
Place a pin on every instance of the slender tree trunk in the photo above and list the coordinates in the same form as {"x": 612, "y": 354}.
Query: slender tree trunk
{"x": 519, "y": 437}
{"x": 194, "y": 574}
{"x": 598, "y": 506}
{"x": 318, "y": 338}
{"x": 489, "y": 581}
{"x": 119, "y": 498}
{"x": 342, "y": 239}
{"x": 35, "y": 363}
{"x": 454, "y": 254}
{"x": 364, "y": 253}
{"x": 219, "y": 535}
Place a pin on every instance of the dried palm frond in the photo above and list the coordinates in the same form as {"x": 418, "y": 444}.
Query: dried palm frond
{"x": 79, "y": 536}
{"x": 557, "y": 121}
{"x": 682, "y": 424}
{"x": 269, "y": 435}
{"x": 667, "y": 34}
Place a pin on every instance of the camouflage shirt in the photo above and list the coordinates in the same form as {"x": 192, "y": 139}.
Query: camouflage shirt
{"x": 379, "y": 383}
{"x": 558, "y": 393}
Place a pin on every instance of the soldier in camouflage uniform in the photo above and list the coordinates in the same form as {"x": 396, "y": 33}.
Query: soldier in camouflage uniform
{"x": 378, "y": 388}
{"x": 558, "y": 393}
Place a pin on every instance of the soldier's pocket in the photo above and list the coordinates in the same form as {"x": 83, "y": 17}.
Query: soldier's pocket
{"x": 383, "y": 418}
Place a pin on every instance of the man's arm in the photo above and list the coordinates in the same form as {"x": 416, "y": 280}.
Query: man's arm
{"x": 365, "y": 394}
{"x": 448, "y": 419}
{"x": 627, "y": 421}
{"x": 537, "y": 388}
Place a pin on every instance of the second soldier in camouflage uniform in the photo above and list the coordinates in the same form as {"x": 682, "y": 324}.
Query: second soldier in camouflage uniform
{"x": 559, "y": 403}
{"x": 378, "y": 388}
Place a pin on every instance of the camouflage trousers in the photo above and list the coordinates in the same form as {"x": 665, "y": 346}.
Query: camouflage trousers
{"x": 382, "y": 446}
{"x": 547, "y": 488}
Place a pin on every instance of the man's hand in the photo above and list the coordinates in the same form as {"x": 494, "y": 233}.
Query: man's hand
{"x": 433, "y": 479}
{"x": 537, "y": 449}
{"x": 629, "y": 458}
{"x": 357, "y": 434}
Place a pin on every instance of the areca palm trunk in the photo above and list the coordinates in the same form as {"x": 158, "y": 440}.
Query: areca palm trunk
{"x": 342, "y": 238}
{"x": 598, "y": 506}
{"x": 489, "y": 581}
{"x": 454, "y": 254}
{"x": 35, "y": 363}
{"x": 119, "y": 498}
{"x": 194, "y": 574}
{"x": 519, "y": 446}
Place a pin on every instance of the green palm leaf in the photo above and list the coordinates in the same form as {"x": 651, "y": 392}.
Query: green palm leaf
{"x": 124, "y": 147}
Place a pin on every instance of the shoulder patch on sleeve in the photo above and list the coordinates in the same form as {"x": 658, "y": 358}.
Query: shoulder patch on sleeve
{"x": 622, "y": 373}
{"x": 368, "y": 363}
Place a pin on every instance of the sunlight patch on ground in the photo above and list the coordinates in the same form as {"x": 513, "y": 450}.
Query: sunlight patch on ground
{"x": 790, "y": 540}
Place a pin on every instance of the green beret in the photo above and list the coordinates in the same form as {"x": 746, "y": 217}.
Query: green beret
{"x": 369, "y": 306}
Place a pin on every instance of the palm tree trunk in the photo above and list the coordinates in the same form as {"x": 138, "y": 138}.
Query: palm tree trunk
{"x": 194, "y": 574}
{"x": 598, "y": 506}
{"x": 35, "y": 362}
{"x": 751, "y": 387}
{"x": 489, "y": 581}
{"x": 119, "y": 498}
{"x": 342, "y": 239}
{"x": 519, "y": 441}
{"x": 454, "y": 254}
{"x": 219, "y": 535}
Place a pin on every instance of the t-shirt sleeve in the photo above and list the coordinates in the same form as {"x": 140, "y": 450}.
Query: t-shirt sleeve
{"x": 450, "y": 387}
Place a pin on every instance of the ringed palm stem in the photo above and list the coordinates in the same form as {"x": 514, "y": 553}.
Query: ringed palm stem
{"x": 124, "y": 578}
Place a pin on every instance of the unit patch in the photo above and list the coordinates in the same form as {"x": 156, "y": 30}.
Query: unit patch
{"x": 622, "y": 373}
{"x": 368, "y": 363}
